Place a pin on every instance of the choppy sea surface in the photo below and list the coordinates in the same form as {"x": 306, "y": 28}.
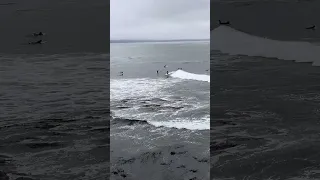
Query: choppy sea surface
{"x": 264, "y": 100}
{"x": 54, "y": 116}
{"x": 160, "y": 121}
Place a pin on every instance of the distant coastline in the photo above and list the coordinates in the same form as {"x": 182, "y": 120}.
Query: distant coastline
{"x": 138, "y": 41}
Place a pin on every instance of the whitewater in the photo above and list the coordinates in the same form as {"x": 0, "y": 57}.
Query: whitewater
{"x": 234, "y": 42}
{"x": 190, "y": 76}
{"x": 139, "y": 90}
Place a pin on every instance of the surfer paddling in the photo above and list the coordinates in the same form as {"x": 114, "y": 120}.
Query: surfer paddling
{"x": 38, "y": 34}
{"x": 37, "y": 42}
{"x": 224, "y": 23}
{"x": 311, "y": 27}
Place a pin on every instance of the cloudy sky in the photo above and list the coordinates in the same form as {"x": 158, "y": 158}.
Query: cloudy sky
{"x": 160, "y": 19}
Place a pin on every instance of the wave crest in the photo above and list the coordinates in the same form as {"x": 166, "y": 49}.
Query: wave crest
{"x": 186, "y": 75}
{"x": 234, "y": 42}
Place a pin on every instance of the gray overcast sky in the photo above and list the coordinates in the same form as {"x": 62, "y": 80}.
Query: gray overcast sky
{"x": 160, "y": 19}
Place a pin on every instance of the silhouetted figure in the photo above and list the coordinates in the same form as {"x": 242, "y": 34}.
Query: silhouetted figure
{"x": 165, "y": 66}
{"x": 180, "y": 68}
{"x": 36, "y": 42}
{"x": 121, "y": 73}
{"x": 157, "y": 72}
{"x": 224, "y": 23}
{"x": 312, "y": 27}
{"x": 38, "y": 34}
{"x": 167, "y": 75}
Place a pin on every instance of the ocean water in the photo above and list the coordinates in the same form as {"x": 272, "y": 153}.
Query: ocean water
{"x": 54, "y": 97}
{"x": 54, "y": 116}
{"x": 264, "y": 94}
{"x": 160, "y": 121}
{"x": 59, "y": 20}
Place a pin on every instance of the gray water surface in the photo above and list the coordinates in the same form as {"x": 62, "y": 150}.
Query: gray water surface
{"x": 160, "y": 124}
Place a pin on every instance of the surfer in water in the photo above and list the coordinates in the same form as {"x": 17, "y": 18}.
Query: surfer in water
{"x": 36, "y": 42}
{"x": 165, "y": 66}
{"x": 38, "y": 34}
{"x": 167, "y": 75}
{"x": 224, "y": 23}
{"x": 157, "y": 72}
{"x": 312, "y": 27}
{"x": 121, "y": 73}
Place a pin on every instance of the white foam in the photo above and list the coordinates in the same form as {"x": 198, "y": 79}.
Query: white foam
{"x": 186, "y": 75}
{"x": 138, "y": 88}
{"x": 234, "y": 42}
{"x": 194, "y": 124}
{"x": 145, "y": 88}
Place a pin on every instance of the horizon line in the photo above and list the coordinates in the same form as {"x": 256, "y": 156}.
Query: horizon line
{"x": 146, "y": 40}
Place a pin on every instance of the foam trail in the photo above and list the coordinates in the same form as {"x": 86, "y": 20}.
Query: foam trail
{"x": 234, "y": 42}
{"x": 192, "y": 124}
{"x": 186, "y": 75}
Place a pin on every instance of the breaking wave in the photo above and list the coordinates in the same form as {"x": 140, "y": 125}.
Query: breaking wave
{"x": 186, "y": 75}
{"x": 234, "y": 42}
